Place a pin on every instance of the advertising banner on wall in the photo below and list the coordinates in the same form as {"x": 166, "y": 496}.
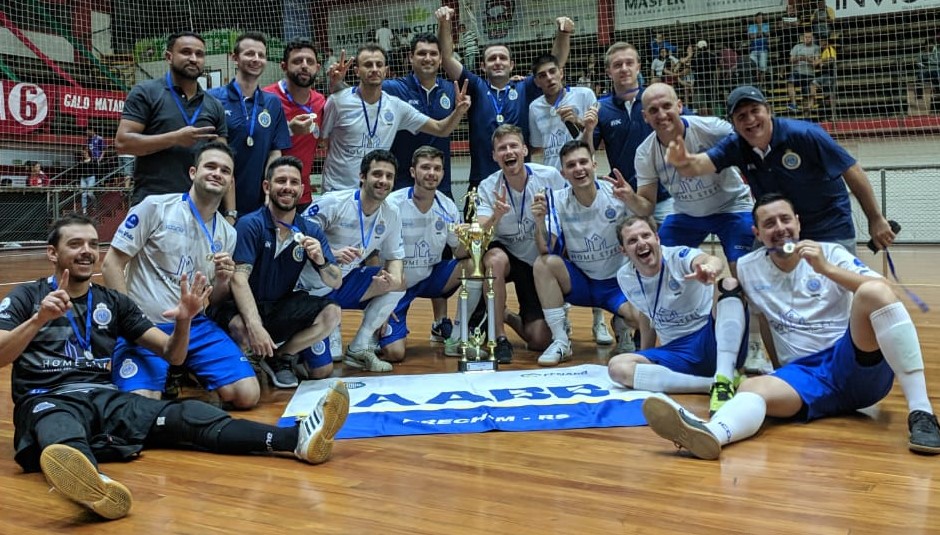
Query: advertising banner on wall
{"x": 509, "y": 21}
{"x": 630, "y": 14}
{"x": 861, "y": 8}
{"x": 27, "y": 107}
{"x": 349, "y": 28}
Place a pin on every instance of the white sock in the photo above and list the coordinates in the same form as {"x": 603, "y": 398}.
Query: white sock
{"x": 474, "y": 293}
{"x": 556, "y": 320}
{"x": 739, "y": 418}
{"x": 377, "y": 311}
{"x": 729, "y": 330}
{"x": 656, "y": 378}
{"x": 900, "y": 346}
{"x": 598, "y": 315}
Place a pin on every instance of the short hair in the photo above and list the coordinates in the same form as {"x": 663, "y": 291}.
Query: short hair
{"x": 426, "y": 151}
{"x": 378, "y": 155}
{"x": 631, "y": 219}
{"x": 284, "y": 161}
{"x": 55, "y": 234}
{"x": 212, "y": 145}
{"x": 297, "y": 44}
{"x": 617, "y": 47}
{"x": 571, "y": 146}
{"x": 769, "y": 198}
{"x": 504, "y": 130}
{"x": 493, "y": 45}
{"x": 171, "y": 40}
{"x": 371, "y": 47}
{"x": 254, "y": 36}
{"x": 425, "y": 37}
{"x": 544, "y": 59}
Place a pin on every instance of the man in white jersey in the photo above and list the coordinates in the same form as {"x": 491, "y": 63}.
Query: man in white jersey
{"x": 673, "y": 287}
{"x": 812, "y": 293}
{"x": 553, "y": 115}
{"x": 360, "y": 119}
{"x": 163, "y": 238}
{"x": 505, "y": 202}
{"x": 358, "y": 223}
{"x": 581, "y": 220}
{"x": 426, "y": 215}
{"x": 714, "y": 203}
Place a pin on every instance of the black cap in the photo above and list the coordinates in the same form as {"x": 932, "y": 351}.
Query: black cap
{"x": 743, "y": 93}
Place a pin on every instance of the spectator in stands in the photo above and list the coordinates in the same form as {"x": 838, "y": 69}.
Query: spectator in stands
{"x": 803, "y": 58}
{"x": 684, "y": 76}
{"x": 705, "y": 65}
{"x": 587, "y": 76}
{"x": 37, "y": 177}
{"x": 825, "y": 80}
{"x": 659, "y": 42}
{"x": 758, "y": 37}
{"x": 87, "y": 172}
{"x": 663, "y": 67}
{"x": 469, "y": 45}
{"x": 384, "y": 36}
{"x": 823, "y": 20}
{"x": 929, "y": 71}
{"x": 95, "y": 144}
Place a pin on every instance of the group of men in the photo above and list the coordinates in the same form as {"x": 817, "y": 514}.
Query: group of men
{"x": 225, "y": 250}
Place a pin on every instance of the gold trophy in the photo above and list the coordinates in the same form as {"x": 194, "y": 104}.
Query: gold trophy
{"x": 475, "y": 239}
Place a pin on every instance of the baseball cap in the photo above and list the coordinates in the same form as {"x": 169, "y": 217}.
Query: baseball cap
{"x": 702, "y": 44}
{"x": 742, "y": 93}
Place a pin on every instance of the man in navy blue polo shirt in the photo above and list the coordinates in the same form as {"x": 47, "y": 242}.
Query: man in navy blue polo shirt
{"x": 164, "y": 120}
{"x": 256, "y": 124}
{"x": 279, "y": 324}
{"x": 797, "y": 159}
{"x": 495, "y": 99}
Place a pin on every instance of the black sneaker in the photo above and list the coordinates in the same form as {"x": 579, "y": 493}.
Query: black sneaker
{"x": 174, "y": 382}
{"x": 503, "y": 350}
{"x": 925, "y": 433}
{"x": 442, "y": 330}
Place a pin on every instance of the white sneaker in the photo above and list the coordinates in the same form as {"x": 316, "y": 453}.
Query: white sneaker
{"x": 559, "y": 351}
{"x": 76, "y": 478}
{"x": 757, "y": 362}
{"x": 366, "y": 360}
{"x": 602, "y": 336}
{"x": 316, "y": 430}
{"x": 624, "y": 336}
{"x": 336, "y": 344}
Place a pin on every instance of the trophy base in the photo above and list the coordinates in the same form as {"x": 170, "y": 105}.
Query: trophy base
{"x": 477, "y": 366}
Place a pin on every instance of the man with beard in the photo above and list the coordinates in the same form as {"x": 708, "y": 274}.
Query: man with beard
{"x": 359, "y": 223}
{"x": 256, "y": 125}
{"x": 162, "y": 239}
{"x": 362, "y": 118}
{"x": 283, "y": 327}
{"x": 303, "y": 108}
{"x": 164, "y": 120}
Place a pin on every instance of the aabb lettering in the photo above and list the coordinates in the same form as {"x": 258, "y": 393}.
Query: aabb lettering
{"x": 499, "y": 394}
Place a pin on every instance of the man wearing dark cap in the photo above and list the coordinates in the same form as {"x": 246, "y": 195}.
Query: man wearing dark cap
{"x": 797, "y": 159}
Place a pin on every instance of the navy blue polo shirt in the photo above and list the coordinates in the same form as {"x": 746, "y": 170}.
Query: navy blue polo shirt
{"x": 805, "y": 164}
{"x": 273, "y": 277}
{"x": 622, "y": 134}
{"x": 270, "y": 133}
{"x": 513, "y": 102}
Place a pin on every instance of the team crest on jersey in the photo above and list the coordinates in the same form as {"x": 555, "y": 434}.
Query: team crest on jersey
{"x": 216, "y": 246}
{"x": 102, "y": 315}
{"x": 298, "y": 253}
{"x": 132, "y": 221}
{"x": 319, "y": 348}
{"x": 445, "y": 102}
{"x": 813, "y": 284}
{"x": 380, "y": 228}
{"x": 264, "y": 119}
{"x": 673, "y": 285}
{"x": 5, "y": 304}
{"x": 791, "y": 160}
{"x": 313, "y": 210}
{"x": 438, "y": 226}
{"x": 42, "y": 406}
{"x": 610, "y": 212}
{"x": 388, "y": 116}
{"x": 684, "y": 252}
{"x": 128, "y": 369}
{"x": 513, "y": 95}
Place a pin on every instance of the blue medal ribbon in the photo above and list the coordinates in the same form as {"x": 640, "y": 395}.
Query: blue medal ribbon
{"x": 254, "y": 108}
{"x": 561, "y": 95}
{"x": 659, "y": 289}
{"x": 366, "y": 238}
{"x": 560, "y": 242}
{"x": 83, "y": 342}
{"x": 914, "y": 297}
{"x": 498, "y": 102}
{"x": 213, "y": 247}
{"x": 290, "y": 99}
{"x": 179, "y": 104}
{"x": 442, "y": 212}
{"x": 370, "y": 129}
{"x": 512, "y": 201}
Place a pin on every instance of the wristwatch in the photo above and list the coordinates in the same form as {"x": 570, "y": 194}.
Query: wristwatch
{"x": 231, "y": 213}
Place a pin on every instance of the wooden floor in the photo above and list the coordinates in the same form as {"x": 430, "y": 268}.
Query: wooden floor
{"x": 841, "y": 475}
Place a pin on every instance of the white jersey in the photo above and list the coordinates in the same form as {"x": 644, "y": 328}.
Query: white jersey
{"x": 716, "y": 193}
{"x": 347, "y": 128}
{"x": 424, "y": 234}
{"x": 681, "y": 307}
{"x": 547, "y": 130}
{"x": 516, "y": 229}
{"x": 807, "y": 312}
{"x": 166, "y": 241}
{"x": 590, "y": 232}
{"x": 340, "y": 216}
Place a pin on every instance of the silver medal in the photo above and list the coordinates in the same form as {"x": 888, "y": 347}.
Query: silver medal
{"x": 299, "y": 237}
{"x": 500, "y": 118}
{"x": 89, "y": 355}
{"x": 789, "y": 247}
{"x": 553, "y": 112}
{"x": 250, "y": 141}
{"x": 371, "y": 143}
{"x": 210, "y": 257}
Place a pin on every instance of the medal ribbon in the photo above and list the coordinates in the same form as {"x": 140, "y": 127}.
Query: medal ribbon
{"x": 179, "y": 104}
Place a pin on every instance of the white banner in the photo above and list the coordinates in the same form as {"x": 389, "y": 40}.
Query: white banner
{"x": 860, "y": 8}
{"x": 641, "y": 13}
{"x": 508, "y": 21}
{"x": 349, "y": 28}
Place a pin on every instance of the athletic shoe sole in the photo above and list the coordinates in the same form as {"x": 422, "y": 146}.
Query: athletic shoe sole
{"x": 666, "y": 421}
{"x": 73, "y": 475}
{"x": 335, "y": 411}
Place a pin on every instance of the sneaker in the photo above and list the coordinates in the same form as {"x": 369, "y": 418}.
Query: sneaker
{"x": 503, "y": 350}
{"x": 316, "y": 430}
{"x": 336, "y": 344}
{"x": 73, "y": 475}
{"x": 365, "y": 359}
{"x": 281, "y": 371}
{"x": 174, "y": 382}
{"x": 722, "y": 391}
{"x": 757, "y": 362}
{"x": 602, "y": 336}
{"x": 441, "y": 330}
{"x": 673, "y": 424}
{"x": 559, "y": 351}
{"x": 925, "y": 433}
{"x": 452, "y": 347}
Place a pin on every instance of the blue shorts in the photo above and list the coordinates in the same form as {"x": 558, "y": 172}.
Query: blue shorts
{"x": 734, "y": 231}
{"x": 585, "y": 292}
{"x": 430, "y": 288}
{"x": 832, "y": 382}
{"x": 213, "y": 357}
{"x": 355, "y": 285}
{"x": 695, "y": 353}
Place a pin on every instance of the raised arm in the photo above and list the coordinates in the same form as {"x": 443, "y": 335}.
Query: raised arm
{"x": 444, "y": 127}
{"x": 445, "y": 37}
{"x": 561, "y": 46}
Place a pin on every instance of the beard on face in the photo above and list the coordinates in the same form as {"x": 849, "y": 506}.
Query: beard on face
{"x": 298, "y": 80}
{"x": 182, "y": 72}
